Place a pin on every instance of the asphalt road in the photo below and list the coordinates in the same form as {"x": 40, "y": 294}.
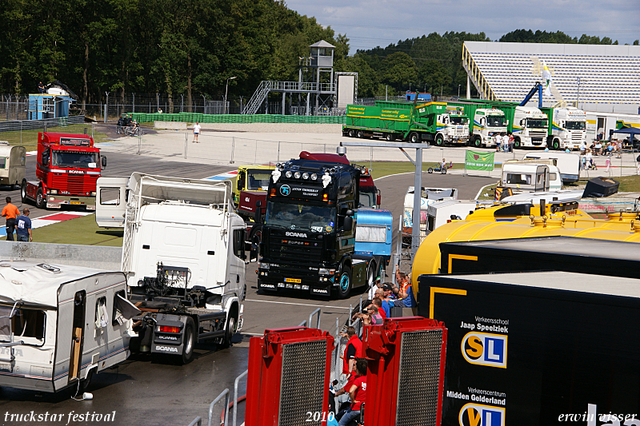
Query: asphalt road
{"x": 154, "y": 391}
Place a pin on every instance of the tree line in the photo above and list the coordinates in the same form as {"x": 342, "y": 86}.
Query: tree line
{"x": 192, "y": 47}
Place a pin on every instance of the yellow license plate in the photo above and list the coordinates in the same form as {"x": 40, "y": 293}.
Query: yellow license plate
{"x": 293, "y": 280}
{"x": 76, "y": 202}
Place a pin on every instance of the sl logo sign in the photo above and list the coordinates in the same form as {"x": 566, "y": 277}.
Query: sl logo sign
{"x": 481, "y": 415}
{"x": 485, "y": 349}
{"x": 285, "y": 190}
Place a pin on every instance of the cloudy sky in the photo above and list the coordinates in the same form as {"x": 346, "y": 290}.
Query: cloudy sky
{"x": 371, "y": 23}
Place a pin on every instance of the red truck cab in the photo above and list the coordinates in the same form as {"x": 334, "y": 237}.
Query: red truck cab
{"x": 67, "y": 168}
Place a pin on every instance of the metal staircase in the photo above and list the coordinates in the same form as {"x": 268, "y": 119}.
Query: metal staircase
{"x": 258, "y": 97}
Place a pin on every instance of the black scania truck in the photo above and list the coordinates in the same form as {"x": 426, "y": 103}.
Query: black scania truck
{"x": 308, "y": 236}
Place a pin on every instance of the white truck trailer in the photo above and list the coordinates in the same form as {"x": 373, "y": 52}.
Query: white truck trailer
{"x": 184, "y": 258}
{"x": 60, "y": 324}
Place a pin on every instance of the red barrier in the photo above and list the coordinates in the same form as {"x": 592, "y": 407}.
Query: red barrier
{"x": 288, "y": 377}
{"x": 405, "y": 372}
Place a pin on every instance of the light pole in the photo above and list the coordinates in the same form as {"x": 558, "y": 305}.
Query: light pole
{"x": 578, "y": 97}
{"x": 226, "y": 92}
{"x": 458, "y": 91}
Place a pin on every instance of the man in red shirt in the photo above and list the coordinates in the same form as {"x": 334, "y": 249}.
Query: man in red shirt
{"x": 358, "y": 393}
{"x": 353, "y": 351}
{"x": 10, "y": 212}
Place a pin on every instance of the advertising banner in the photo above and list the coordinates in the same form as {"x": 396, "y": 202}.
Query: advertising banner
{"x": 479, "y": 160}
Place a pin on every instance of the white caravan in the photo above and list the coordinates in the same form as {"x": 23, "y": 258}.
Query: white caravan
{"x": 530, "y": 127}
{"x": 568, "y": 128}
{"x": 568, "y": 164}
{"x": 60, "y": 324}
{"x": 13, "y": 160}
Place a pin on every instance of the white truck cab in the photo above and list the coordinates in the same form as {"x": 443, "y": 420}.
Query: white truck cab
{"x": 530, "y": 127}
{"x": 183, "y": 248}
{"x": 569, "y": 128}
{"x": 487, "y": 124}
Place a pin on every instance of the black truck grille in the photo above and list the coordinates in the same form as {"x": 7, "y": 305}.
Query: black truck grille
{"x": 303, "y": 382}
{"x": 295, "y": 251}
{"x": 419, "y": 378}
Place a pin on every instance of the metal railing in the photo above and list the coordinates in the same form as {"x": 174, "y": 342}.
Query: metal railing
{"x": 21, "y": 125}
{"x": 225, "y": 394}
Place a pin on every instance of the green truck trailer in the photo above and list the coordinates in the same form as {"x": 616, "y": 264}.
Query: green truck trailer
{"x": 433, "y": 122}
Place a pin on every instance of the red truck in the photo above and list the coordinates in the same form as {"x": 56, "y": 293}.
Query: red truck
{"x": 67, "y": 168}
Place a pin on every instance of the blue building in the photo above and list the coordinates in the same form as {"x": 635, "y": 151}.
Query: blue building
{"x": 49, "y": 105}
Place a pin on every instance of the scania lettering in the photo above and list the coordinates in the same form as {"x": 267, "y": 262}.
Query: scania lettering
{"x": 67, "y": 168}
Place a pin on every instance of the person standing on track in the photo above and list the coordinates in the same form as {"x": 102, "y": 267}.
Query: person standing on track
{"x": 10, "y": 212}
{"x": 196, "y": 131}
{"x": 23, "y": 226}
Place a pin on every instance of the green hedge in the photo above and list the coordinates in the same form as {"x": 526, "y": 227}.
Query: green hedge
{"x": 192, "y": 117}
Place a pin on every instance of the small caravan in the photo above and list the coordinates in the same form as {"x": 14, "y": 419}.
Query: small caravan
{"x": 60, "y": 324}
{"x": 13, "y": 160}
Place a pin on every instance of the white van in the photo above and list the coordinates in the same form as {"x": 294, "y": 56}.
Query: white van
{"x": 442, "y": 212}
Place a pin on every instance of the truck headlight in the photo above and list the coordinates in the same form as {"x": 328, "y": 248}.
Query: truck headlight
{"x": 93, "y": 193}
{"x": 53, "y": 191}
{"x": 263, "y": 265}
{"x": 325, "y": 271}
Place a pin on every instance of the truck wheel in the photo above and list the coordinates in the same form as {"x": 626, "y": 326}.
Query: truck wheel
{"x": 390, "y": 137}
{"x": 430, "y": 170}
{"x": 360, "y": 134}
{"x": 352, "y": 133}
{"x": 230, "y": 329}
{"x": 189, "y": 341}
{"x": 439, "y": 140}
{"x": 516, "y": 143}
{"x": 23, "y": 191}
{"x": 555, "y": 144}
{"x": 414, "y": 137}
{"x": 477, "y": 142}
{"x": 40, "y": 201}
{"x": 344, "y": 282}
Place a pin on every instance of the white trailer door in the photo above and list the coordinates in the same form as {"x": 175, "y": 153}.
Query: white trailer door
{"x": 111, "y": 201}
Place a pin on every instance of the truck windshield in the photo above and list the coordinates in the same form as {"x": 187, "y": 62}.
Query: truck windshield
{"x": 301, "y": 217}
{"x": 537, "y": 123}
{"x": 495, "y": 121}
{"x": 576, "y": 125}
{"x": 79, "y": 159}
{"x": 367, "y": 199}
{"x": 459, "y": 120}
{"x": 258, "y": 180}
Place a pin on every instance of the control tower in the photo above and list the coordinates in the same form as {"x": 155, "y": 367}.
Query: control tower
{"x": 314, "y": 93}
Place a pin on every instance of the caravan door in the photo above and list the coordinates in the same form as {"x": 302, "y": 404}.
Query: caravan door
{"x": 77, "y": 335}
{"x": 111, "y": 201}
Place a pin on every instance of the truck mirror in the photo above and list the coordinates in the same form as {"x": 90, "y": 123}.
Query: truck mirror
{"x": 104, "y": 162}
{"x": 348, "y": 223}
{"x": 240, "y": 182}
{"x": 257, "y": 215}
{"x": 378, "y": 199}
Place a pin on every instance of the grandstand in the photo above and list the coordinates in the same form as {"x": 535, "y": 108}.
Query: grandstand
{"x": 598, "y": 77}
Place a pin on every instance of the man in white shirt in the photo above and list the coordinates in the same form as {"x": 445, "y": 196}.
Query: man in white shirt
{"x": 196, "y": 131}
